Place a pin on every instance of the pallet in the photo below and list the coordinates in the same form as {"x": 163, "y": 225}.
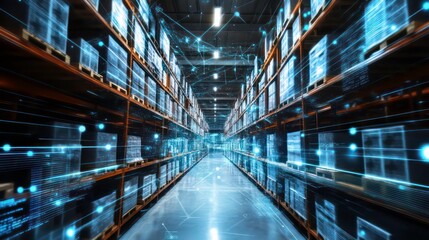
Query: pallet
{"x": 326, "y": 173}
{"x": 151, "y": 107}
{"x": 46, "y": 47}
{"x": 403, "y": 32}
{"x": 289, "y": 100}
{"x": 119, "y": 33}
{"x": 129, "y": 213}
{"x": 135, "y": 163}
{"x": 103, "y": 235}
{"x": 117, "y": 87}
{"x": 139, "y": 56}
{"x": 137, "y": 99}
{"x": 90, "y": 72}
{"x": 316, "y": 84}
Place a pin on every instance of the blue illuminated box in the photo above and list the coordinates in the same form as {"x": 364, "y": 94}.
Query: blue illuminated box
{"x": 294, "y": 150}
{"x": 279, "y": 22}
{"x": 295, "y": 195}
{"x": 134, "y": 152}
{"x": 151, "y": 92}
{"x": 366, "y": 230}
{"x": 48, "y": 20}
{"x": 103, "y": 213}
{"x": 161, "y": 104}
{"x": 352, "y": 45}
{"x": 326, "y": 220}
{"x": 106, "y": 149}
{"x": 144, "y": 10}
{"x": 130, "y": 195}
{"x": 289, "y": 6}
{"x": 296, "y": 30}
{"x": 272, "y": 151}
{"x": 84, "y": 53}
{"x": 115, "y": 12}
{"x": 162, "y": 175}
{"x": 289, "y": 80}
{"x": 286, "y": 43}
{"x": 385, "y": 155}
{"x": 113, "y": 62}
{"x": 262, "y": 108}
{"x": 272, "y": 96}
{"x": 324, "y": 59}
{"x": 139, "y": 40}
{"x": 149, "y": 186}
{"x": 165, "y": 43}
{"x": 138, "y": 83}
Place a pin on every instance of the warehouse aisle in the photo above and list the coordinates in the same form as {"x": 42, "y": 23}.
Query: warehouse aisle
{"x": 214, "y": 201}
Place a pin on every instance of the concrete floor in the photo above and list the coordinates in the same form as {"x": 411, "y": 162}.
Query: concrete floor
{"x": 213, "y": 201}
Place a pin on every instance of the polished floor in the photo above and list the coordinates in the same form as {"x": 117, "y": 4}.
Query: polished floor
{"x": 214, "y": 201}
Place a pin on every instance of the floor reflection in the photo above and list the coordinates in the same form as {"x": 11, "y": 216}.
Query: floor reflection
{"x": 213, "y": 201}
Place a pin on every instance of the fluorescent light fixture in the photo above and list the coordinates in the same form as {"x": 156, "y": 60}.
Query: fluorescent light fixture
{"x": 216, "y": 54}
{"x": 215, "y": 76}
{"x": 217, "y": 16}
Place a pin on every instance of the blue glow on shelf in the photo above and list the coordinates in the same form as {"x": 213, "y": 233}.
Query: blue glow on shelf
{"x": 101, "y": 126}
{"x": 362, "y": 233}
{"x": 20, "y": 190}
{"x": 70, "y": 232}
{"x": 58, "y": 203}
{"x": 424, "y": 153}
{"x": 425, "y": 6}
{"x": 33, "y": 189}
{"x": 100, "y": 209}
{"x": 257, "y": 150}
{"x": 100, "y": 43}
{"x": 108, "y": 147}
{"x": 401, "y": 187}
{"x": 335, "y": 42}
{"x": 302, "y": 135}
{"x": 306, "y": 26}
{"x": 82, "y": 128}
{"x": 353, "y": 147}
{"x": 237, "y": 14}
{"x": 156, "y": 136}
{"x": 319, "y": 152}
{"x": 7, "y": 147}
{"x": 353, "y": 131}
{"x": 393, "y": 27}
{"x": 30, "y": 153}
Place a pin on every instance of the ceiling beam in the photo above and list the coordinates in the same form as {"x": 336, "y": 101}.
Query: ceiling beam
{"x": 217, "y": 62}
{"x": 219, "y": 98}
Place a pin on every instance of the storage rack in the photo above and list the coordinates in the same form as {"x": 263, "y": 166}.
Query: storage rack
{"x": 325, "y": 106}
{"x": 39, "y": 86}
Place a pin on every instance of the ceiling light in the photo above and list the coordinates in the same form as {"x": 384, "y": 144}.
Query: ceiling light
{"x": 216, "y": 54}
{"x": 217, "y": 16}
{"x": 215, "y": 76}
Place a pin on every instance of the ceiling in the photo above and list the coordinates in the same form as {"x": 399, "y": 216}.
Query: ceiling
{"x": 194, "y": 39}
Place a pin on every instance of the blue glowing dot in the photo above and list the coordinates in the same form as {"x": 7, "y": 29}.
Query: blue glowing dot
{"x": 108, "y": 147}
{"x": 281, "y": 10}
{"x": 306, "y": 27}
{"x": 264, "y": 33}
{"x": 100, "y": 209}
{"x": 304, "y": 15}
{"x": 30, "y": 153}
{"x": 237, "y": 14}
{"x": 362, "y": 233}
{"x": 347, "y": 106}
{"x": 198, "y": 39}
{"x": 393, "y": 27}
{"x": 58, "y": 203}
{"x": 70, "y": 232}
{"x": 20, "y": 190}
{"x": 82, "y": 128}
{"x": 426, "y": 6}
{"x": 319, "y": 152}
{"x": 156, "y": 136}
{"x": 401, "y": 187}
{"x": 353, "y": 131}
{"x": 100, "y": 43}
{"x": 335, "y": 42}
{"x": 353, "y": 147}
{"x": 302, "y": 135}
{"x": 7, "y": 147}
{"x": 257, "y": 150}
{"x": 101, "y": 126}
{"x": 424, "y": 153}
{"x": 33, "y": 189}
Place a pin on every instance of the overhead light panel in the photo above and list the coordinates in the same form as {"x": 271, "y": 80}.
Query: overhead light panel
{"x": 216, "y": 54}
{"x": 217, "y": 16}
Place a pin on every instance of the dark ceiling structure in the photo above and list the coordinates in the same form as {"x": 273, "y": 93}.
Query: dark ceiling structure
{"x": 194, "y": 39}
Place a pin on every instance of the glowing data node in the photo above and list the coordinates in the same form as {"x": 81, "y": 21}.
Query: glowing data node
{"x": 82, "y": 128}
{"x": 237, "y": 14}
{"x": 101, "y": 126}
{"x": 156, "y": 136}
{"x": 108, "y": 147}
{"x": 33, "y": 189}
{"x": 20, "y": 190}
{"x": 424, "y": 152}
{"x": 70, "y": 232}
{"x": 353, "y": 147}
{"x": 353, "y": 131}
{"x": 7, "y": 147}
{"x": 30, "y": 153}
{"x": 100, "y": 43}
{"x": 426, "y": 6}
